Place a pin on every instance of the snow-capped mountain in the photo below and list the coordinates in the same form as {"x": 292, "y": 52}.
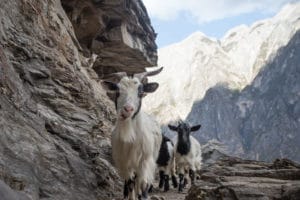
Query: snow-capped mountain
{"x": 198, "y": 63}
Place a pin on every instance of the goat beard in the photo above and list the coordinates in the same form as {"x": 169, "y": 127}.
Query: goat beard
{"x": 127, "y": 133}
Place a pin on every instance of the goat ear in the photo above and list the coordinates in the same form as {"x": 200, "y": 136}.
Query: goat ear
{"x": 150, "y": 87}
{"x": 109, "y": 86}
{"x": 195, "y": 128}
{"x": 173, "y": 128}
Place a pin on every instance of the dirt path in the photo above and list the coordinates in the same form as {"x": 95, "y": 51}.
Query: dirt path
{"x": 172, "y": 194}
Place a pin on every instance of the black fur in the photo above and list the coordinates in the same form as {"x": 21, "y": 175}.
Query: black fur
{"x": 184, "y": 141}
{"x": 167, "y": 185}
{"x": 140, "y": 95}
{"x": 164, "y": 156}
{"x": 138, "y": 110}
{"x": 174, "y": 181}
{"x": 150, "y": 189}
{"x": 161, "y": 179}
{"x": 150, "y": 87}
{"x": 128, "y": 187}
{"x": 142, "y": 89}
{"x": 181, "y": 183}
{"x": 126, "y": 190}
{"x": 162, "y": 161}
{"x": 184, "y": 146}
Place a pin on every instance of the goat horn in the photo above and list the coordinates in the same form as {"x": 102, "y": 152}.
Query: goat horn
{"x": 143, "y": 75}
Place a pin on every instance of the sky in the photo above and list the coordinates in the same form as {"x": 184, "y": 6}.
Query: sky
{"x": 174, "y": 20}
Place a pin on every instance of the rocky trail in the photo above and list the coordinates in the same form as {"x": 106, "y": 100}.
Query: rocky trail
{"x": 171, "y": 194}
{"x": 232, "y": 178}
{"x": 158, "y": 194}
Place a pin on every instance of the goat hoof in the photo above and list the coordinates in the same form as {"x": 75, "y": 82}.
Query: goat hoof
{"x": 180, "y": 189}
{"x": 150, "y": 190}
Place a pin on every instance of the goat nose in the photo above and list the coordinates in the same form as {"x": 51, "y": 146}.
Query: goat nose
{"x": 128, "y": 108}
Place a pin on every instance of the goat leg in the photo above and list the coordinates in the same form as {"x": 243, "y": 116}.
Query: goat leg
{"x": 144, "y": 195}
{"x": 150, "y": 189}
{"x": 161, "y": 179}
{"x": 167, "y": 186}
{"x": 192, "y": 176}
{"x": 126, "y": 190}
{"x": 180, "y": 188}
{"x": 174, "y": 181}
{"x": 130, "y": 186}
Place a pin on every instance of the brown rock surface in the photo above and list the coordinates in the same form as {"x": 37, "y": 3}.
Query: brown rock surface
{"x": 55, "y": 119}
{"x": 118, "y": 31}
{"x": 234, "y": 178}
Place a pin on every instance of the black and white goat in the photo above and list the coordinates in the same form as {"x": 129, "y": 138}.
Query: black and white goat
{"x": 187, "y": 152}
{"x": 166, "y": 164}
{"x": 136, "y": 136}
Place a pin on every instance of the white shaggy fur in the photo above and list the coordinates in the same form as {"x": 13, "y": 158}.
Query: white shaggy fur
{"x": 135, "y": 139}
{"x": 187, "y": 152}
{"x": 190, "y": 161}
{"x": 135, "y": 147}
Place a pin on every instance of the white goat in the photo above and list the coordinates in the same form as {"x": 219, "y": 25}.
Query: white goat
{"x": 137, "y": 136}
{"x": 187, "y": 152}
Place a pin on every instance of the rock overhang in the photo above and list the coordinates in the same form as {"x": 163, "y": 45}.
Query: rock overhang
{"x": 119, "y": 32}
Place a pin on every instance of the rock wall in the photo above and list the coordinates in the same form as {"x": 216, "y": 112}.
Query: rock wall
{"x": 55, "y": 119}
{"x": 118, "y": 31}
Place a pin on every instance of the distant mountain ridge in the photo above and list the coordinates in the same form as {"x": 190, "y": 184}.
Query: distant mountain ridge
{"x": 263, "y": 120}
{"x": 243, "y": 89}
{"x": 199, "y": 62}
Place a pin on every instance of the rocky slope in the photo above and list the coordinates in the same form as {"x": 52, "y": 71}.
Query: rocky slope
{"x": 262, "y": 121}
{"x": 234, "y": 178}
{"x": 55, "y": 119}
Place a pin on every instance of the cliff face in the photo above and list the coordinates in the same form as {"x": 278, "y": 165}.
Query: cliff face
{"x": 118, "y": 31}
{"x": 55, "y": 119}
{"x": 262, "y": 121}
